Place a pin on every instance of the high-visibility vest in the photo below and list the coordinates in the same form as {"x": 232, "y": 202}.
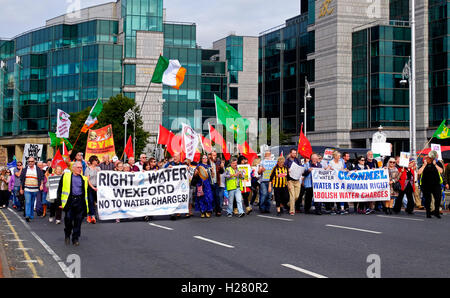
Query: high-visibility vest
{"x": 65, "y": 192}
{"x": 232, "y": 182}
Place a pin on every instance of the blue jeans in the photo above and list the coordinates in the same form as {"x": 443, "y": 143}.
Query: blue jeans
{"x": 30, "y": 198}
{"x": 44, "y": 198}
{"x": 219, "y": 194}
{"x": 16, "y": 194}
{"x": 235, "y": 193}
{"x": 264, "y": 202}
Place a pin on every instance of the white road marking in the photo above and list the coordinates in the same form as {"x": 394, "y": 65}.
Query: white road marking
{"x": 273, "y": 217}
{"x": 214, "y": 242}
{"x": 15, "y": 240}
{"x": 61, "y": 264}
{"x": 354, "y": 229}
{"x": 162, "y": 227}
{"x": 415, "y": 219}
{"x": 303, "y": 271}
{"x": 29, "y": 261}
{"x": 24, "y": 248}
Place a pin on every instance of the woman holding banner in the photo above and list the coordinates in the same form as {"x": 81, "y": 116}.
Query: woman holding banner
{"x": 394, "y": 176}
{"x": 204, "y": 198}
{"x": 360, "y": 166}
{"x": 91, "y": 173}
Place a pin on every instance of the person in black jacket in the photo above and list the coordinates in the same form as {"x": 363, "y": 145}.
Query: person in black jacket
{"x": 31, "y": 183}
{"x": 431, "y": 181}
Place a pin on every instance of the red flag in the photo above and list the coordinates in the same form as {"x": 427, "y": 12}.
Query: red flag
{"x": 65, "y": 153}
{"x": 197, "y": 156}
{"x": 164, "y": 135}
{"x": 304, "y": 146}
{"x": 248, "y": 152}
{"x": 58, "y": 161}
{"x": 129, "y": 148}
{"x": 217, "y": 138}
{"x": 207, "y": 144}
{"x": 175, "y": 145}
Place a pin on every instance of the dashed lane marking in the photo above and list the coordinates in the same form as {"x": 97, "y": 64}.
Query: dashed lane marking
{"x": 354, "y": 229}
{"x": 213, "y": 241}
{"x": 303, "y": 271}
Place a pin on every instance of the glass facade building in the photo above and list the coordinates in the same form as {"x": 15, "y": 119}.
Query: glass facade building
{"x": 180, "y": 42}
{"x": 61, "y": 67}
{"x": 378, "y": 98}
{"x": 439, "y": 61}
{"x": 283, "y": 67}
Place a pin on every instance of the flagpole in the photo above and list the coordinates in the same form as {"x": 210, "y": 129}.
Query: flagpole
{"x": 73, "y": 146}
{"x": 145, "y": 97}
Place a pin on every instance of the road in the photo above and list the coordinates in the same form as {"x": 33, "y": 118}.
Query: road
{"x": 255, "y": 246}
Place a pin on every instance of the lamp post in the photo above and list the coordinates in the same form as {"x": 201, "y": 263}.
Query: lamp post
{"x": 307, "y": 97}
{"x": 406, "y": 76}
{"x": 130, "y": 115}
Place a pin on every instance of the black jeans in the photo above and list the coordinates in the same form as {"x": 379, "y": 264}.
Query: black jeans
{"x": 399, "y": 201}
{"x": 436, "y": 191}
{"x": 281, "y": 196}
{"x": 309, "y": 194}
{"x": 55, "y": 211}
{"x": 75, "y": 213}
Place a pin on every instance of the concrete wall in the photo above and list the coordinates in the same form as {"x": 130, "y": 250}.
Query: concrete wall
{"x": 149, "y": 45}
{"x": 333, "y": 67}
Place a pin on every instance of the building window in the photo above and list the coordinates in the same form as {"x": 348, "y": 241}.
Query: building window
{"x": 130, "y": 74}
{"x": 233, "y": 93}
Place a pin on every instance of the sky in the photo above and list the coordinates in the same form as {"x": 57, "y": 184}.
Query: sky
{"x": 215, "y": 19}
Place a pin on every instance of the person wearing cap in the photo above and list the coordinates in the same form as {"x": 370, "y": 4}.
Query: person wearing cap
{"x": 78, "y": 157}
{"x": 407, "y": 181}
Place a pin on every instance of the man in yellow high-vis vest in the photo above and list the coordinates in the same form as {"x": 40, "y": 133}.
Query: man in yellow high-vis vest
{"x": 73, "y": 198}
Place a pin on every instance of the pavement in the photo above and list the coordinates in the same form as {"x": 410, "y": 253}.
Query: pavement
{"x": 255, "y": 246}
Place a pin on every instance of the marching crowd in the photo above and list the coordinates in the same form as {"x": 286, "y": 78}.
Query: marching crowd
{"x": 215, "y": 184}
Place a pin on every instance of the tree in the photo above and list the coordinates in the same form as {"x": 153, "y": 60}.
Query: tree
{"x": 113, "y": 113}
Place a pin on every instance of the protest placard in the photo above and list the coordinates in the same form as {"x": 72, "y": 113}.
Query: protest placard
{"x": 437, "y": 148}
{"x": 296, "y": 171}
{"x": 100, "y": 142}
{"x": 268, "y": 165}
{"x": 246, "y": 170}
{"x": 129, "y": 195}
{"x": 404, "y": 159}
{"x": 32, "y": 150}
{"x": 355, "y": 186}
{"x": 53, "y": 182}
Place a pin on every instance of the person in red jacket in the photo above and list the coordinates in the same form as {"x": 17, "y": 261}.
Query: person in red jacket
{"x": 408, "y": 186}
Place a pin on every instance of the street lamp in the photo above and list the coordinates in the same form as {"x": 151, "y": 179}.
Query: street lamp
{"x": 307, "y": 97}
{"x": 406, "y": 76}
{"x": 130, "y": 115}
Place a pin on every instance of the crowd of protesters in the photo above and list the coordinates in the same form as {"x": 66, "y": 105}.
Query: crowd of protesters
{"x": 217, "y": 185}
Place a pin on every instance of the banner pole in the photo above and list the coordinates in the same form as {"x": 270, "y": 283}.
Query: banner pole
{"x": 425, "y": 146}
{"x": 145, "y": 97}
{"x": 73, "y": 146}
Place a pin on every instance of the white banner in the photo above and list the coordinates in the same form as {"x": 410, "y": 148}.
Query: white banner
{"x": 437, "y": 148}
{"x": 63, "y": 124}
{"x": 354, "y": 186}
{"x": 191, "y": 141}
{"x": 53, "y": 183}
{"x": 32, "y": 150}
{"x": 128, "y": 195}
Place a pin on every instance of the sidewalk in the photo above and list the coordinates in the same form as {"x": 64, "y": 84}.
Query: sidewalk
{"x": 4, "y": 269}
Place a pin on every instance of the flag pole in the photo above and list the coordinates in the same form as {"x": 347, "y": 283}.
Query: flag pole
{"x": 145, "y": 97}
{"x": 73, "y": 146}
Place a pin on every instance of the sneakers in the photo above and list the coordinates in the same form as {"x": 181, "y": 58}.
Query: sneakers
{"x": 248, "y": 210}
{"x": 208, "y": 214}
{"x": 241, "y": 215}
{"x": 93, "y": 220}
{"x": 50, "y": 219}
{"x": 368, "y": 211}
{"x": 117, "y": 220}
{"x": 291, "y": 213}
{"x": 230, "y": 215}
{"x": 203, "y": 215}
{"x": 57, "y": 222}
{"x": 88, "y": 219}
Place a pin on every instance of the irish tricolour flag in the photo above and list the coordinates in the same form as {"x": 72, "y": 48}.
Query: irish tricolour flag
{"x": 169, "y": 72}
{"x": 92, "y": 119}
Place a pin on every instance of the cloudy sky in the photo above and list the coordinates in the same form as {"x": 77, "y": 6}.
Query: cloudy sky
{"x": 215, "y": 19}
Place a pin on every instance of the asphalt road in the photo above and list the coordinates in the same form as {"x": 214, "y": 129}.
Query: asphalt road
{"x": 255, "y": 246}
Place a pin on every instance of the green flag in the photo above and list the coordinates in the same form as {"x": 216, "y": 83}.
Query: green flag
{"x": 232, "y": 120}
{"x": 55, "y": 141}
{"x": 442, "y": 132}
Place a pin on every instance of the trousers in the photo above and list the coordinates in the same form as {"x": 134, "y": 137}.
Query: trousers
{"x": 74, "y": 217}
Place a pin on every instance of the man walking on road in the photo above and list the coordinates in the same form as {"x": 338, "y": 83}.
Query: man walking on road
{"x": 73, "y": 197}
{"x": 32, "y": 181}
{"x": 293, "y": 184}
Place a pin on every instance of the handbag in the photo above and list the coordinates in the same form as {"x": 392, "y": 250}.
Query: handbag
{"x": 397, "y": 186}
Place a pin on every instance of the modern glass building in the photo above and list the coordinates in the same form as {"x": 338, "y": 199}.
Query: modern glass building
{"x": 354, "y": 60}
{"x": 102, "y": 51}
{"x": 283, "y": 67}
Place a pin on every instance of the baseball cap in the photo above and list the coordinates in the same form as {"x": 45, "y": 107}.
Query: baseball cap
{"x": 115, "y": 158}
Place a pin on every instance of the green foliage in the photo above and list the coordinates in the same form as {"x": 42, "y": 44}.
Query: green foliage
{"x": 113, "y": 113}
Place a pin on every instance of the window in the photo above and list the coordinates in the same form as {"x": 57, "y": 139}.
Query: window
{"x": 233, "y": 93}
{"x": 130, "y": 74}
